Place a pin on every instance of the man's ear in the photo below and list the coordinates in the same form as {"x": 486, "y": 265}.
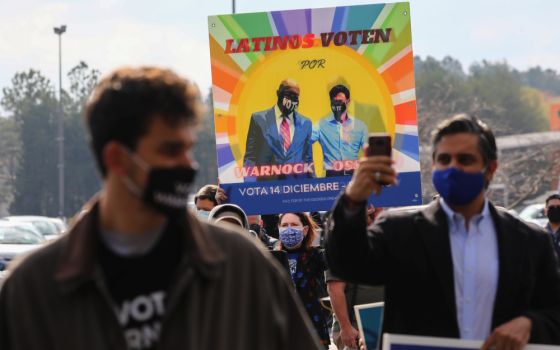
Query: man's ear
{"x": 115, "y": 158}
{"x": 491, "y": 169}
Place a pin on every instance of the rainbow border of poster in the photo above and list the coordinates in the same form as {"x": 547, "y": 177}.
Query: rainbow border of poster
{"x": 387, "y": 65}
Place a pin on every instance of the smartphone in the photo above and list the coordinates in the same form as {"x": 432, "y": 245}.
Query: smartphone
{"x": 379, "y": 144}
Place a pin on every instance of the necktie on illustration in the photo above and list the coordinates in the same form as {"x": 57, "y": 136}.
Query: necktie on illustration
{"x": 285, "y": 132}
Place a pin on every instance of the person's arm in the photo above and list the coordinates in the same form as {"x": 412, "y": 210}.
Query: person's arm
{"x": 540, "y": 324}
{"x": 354, "y": 252}
{"x": 545, "y": 313}
{"x": 512, "y": 335}
{"x": 348, "y": 333}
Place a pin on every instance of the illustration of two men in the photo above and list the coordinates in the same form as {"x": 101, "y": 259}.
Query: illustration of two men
{"x": 279, "y": 140}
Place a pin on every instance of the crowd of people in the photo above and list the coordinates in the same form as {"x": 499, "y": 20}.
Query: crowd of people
{"x": 137, "y": 270}
{"x": 301, "y": 253}
{"x": 295, "y": 248}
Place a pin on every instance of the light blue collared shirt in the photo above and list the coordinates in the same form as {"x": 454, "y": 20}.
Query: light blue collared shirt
{"x": 340, "y": 141}
{"x": 475, "y": 270}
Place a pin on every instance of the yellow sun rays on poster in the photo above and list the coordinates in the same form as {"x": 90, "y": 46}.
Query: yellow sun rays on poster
{"x": 331, "y": 66}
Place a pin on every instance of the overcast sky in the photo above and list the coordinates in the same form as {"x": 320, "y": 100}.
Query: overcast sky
{"x": 111, "y": 33}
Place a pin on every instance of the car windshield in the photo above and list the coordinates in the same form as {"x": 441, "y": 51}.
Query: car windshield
{"x": 18, "y": 235}
{"x": 46, "y": 228}
{"x": 60, "y": 225}
{"x": 533, "y": 212}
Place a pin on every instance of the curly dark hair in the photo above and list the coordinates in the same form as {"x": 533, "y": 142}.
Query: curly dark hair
{"x": 125, "y": 102}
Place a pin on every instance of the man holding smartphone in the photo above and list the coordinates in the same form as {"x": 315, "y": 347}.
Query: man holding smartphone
{"x": 459, "y": 268}
{"x": 341, "y": 136}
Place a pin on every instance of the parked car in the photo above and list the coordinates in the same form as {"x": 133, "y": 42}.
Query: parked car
{"x": 60, "y": 224}
{"x": 44, "y": 225}
{"x": 17, "y": 238}
{"x": 534, "y": 213}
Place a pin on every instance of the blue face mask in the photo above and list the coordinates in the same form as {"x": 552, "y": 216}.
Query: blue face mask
{"x": 457, "y": 187}
{"x": 203, "y": 214}
{"x": 291, "y": 237}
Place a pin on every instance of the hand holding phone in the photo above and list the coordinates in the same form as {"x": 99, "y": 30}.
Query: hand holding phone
{"x": 361, "y": 186}
{"x": 379, "y": 144}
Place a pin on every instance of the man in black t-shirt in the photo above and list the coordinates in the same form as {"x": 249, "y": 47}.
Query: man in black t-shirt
{"x": 136, "y": 270}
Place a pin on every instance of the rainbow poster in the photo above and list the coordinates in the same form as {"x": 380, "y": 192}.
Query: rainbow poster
{"x": 296, "y": 94}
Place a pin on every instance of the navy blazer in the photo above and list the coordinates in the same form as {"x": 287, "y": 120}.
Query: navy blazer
{"x": 410, "y": 253}
{"x": 265, "y": 145}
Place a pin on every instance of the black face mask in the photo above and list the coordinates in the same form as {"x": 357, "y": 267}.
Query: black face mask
{"x": 338, "y": 108}
{"x": 167, "y": 189}
{"x": 553, "y": 213}
{"x": 287, "y": 102}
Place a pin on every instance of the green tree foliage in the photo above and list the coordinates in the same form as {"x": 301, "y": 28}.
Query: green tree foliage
{"x": 542, "y": 79}
{"x": 502, "y": 101}
{"x": 82, "y": 81}
{"x": 33, "y": 107}
{"x": 441, "y": 92}
{"x": 10, "y": 148}
{"x": 78, "y": 156}
{"x": 492, "y": 91}
{"x": 205, "y": 149}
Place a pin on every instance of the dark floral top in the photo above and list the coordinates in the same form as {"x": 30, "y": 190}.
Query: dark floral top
{"x": 307, "y": 269}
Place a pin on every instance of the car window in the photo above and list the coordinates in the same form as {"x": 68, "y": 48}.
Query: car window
{"x": 60, "y": 225}
{"x": 539, "y": 214}
{"x": 18, "y": 235}
{"x": 533, "y": 212}
{"x": 46, "y": 228}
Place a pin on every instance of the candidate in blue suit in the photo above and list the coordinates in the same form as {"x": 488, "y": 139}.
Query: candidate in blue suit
{"x": 280, "y": 135}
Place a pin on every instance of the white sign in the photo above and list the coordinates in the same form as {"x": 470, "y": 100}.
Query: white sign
{"x": 410, "y": 342}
